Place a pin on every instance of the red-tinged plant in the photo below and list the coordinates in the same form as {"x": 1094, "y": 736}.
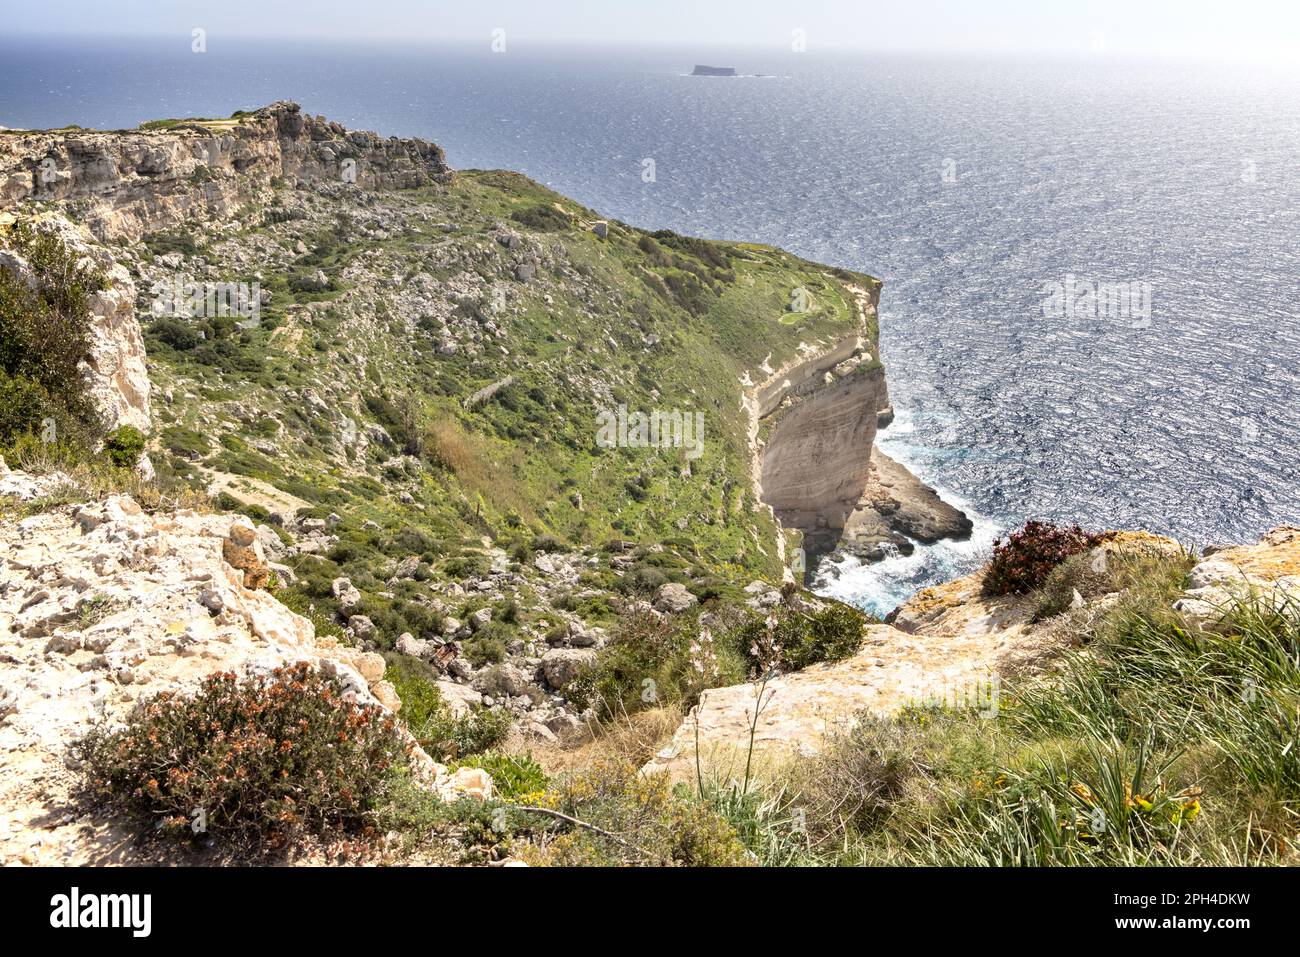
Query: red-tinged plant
{"x": 271, "y": 758}
{"x": 1023, "y": 561}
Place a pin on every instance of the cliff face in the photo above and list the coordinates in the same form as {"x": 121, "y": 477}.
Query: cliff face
{"x": 126, "y": 185}
{"x": 817, "y": 461}
{"x": 131, "y": 183}
{"x": 819, "y": 469}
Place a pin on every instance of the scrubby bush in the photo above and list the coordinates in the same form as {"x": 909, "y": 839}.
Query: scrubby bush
{"x": 1023, "y": 561}
{"x": 176, "y": 333}
{"x": 44, "y": 338}
{"x": 124, "y": 446}
{"x": 514, "y": 777}
{"x": 853, "y": 784}
{"x": 269, "y": 758}
{"x": 440, "y": 733}
{"x": 543, "y": 218}
{"x": 798, "y": 634}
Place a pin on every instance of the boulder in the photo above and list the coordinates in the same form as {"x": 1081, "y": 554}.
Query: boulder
{"x": 346, "y": 594}
{"x": 562, "y": 665}
{"x": 242, "y": 550}
{"x": 361, "y": 627}
{"x": 458, "y": 698}
{"x": 674, "y": 598}
{"x": 501, "y": 680}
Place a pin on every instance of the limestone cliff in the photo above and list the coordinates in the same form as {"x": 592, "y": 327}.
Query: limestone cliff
{"x": 133, "y": 182}
{"x": 819, "y": 469}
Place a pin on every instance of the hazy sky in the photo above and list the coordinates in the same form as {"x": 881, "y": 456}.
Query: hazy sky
{"x": 1243, "y": 29}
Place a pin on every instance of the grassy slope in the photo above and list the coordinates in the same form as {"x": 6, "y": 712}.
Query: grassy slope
{"x": 665, "y": 323}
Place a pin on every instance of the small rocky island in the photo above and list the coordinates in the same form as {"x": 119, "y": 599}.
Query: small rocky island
{"x": 701, "y": 70}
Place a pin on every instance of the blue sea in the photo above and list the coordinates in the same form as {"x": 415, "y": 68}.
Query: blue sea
{"x": 1091, "y": 266}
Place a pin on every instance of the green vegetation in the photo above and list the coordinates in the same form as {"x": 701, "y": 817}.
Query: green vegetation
{"x": 439, "y": 732}
{"x": 44, "y": 337}
{"x": 270, "y": 760}
{"x": 653, "y": 661}
{"x": 1159, "y": 743}
{"x": 124, "y": 446}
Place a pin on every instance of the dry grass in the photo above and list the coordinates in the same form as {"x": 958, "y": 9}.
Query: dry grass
{"x": 633, "y": 739}
{"x": 72, "y": 479}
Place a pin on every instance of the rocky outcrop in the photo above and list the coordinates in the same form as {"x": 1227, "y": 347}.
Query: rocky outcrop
{"x": 896, "y": 511}
{"x": 117, "y": 378}
{"x": 131, "y": 183}
{"x": 819, "y": 470}
{"x": 1268, "y": 571}
{"x": 949, "y": 645}
{"x": 102, "y": 605}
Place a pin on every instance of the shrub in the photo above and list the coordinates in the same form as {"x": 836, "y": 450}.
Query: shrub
{"x": 513, "y": 777}
{"x": 24, "y": 407}
{"x": 124, "y": 446}
{"x": 656, "y": 661}
{"x": 853, "y": 783}
{"x": 1023, "y": 562}
{"x": 796, "y": 634}
{"x": 440, "y": 733}
{"x": 543, "y": 218}
{"x": 446, "y": 736}
{"x": 266, "y": 758}
{"x": 44, "y": 338}
{"x": 652, "y": 824}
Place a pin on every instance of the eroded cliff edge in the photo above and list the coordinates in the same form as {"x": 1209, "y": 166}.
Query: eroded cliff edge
{"x": 819, "y": 469}
{"x": 134, "y": 182}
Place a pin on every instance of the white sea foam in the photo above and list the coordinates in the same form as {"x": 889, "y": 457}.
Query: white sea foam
{"x": 879, "y": 587}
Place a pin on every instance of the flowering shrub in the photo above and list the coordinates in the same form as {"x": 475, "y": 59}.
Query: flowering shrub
{"x": 272, "y": 757}
{"x": 1027, "y": 557}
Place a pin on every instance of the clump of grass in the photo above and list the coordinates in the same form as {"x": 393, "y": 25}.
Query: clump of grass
{"x": 609, "y": 813}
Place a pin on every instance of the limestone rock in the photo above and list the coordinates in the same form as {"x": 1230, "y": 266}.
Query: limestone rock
{"x": 149, "y": 181}
{"x": 562, "y": 665}
{"x": 346, "y": 594}
{"x": 673, "y": 598}
{"x": 361, "y": 627}
{"x": 1268, "y": 571}
{"x": 242, "y": 550}
{"x": 459, "y": 698}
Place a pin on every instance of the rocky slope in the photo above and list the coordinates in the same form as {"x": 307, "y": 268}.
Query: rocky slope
{"x": 170, "y": 181}
{"x": 132, "y": 182}
{"x": 103, "y": 605}
{"x": 950, "y": 646}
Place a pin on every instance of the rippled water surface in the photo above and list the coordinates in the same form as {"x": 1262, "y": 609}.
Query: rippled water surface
{"x": 969, "y": 187}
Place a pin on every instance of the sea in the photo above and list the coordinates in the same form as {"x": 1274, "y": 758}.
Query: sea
{"x": 1091, "y": 265}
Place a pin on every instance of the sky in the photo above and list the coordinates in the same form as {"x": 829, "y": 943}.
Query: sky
{"x": 1254, "y": 30}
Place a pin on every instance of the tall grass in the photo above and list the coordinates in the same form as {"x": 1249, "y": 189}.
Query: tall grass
{"x": 1160, "y": 742}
